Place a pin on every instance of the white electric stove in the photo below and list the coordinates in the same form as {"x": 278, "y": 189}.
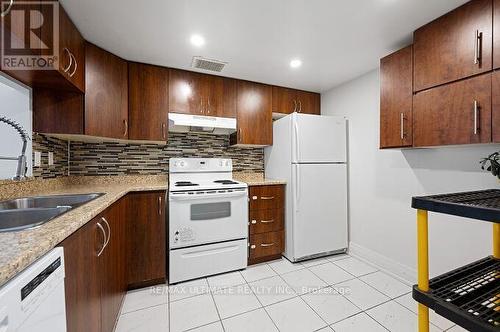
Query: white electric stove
{"x": 208, "y": 219}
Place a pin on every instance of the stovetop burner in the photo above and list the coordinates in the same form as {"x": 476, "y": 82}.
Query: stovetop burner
{"x": 186, "y": 184}
{"x": 225, "y": 182}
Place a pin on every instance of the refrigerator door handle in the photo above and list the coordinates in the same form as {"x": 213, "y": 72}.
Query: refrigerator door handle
{"x": 297, "y": 187}
{"x": 297, "y": 144}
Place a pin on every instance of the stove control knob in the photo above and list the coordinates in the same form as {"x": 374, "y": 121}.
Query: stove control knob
{"x": 182, "y": 164}
{"x": 227, "y": 163}
{"x": 220, "y": 163}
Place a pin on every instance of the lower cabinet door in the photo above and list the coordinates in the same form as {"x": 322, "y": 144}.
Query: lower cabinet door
{"x": 265, "y": 244}
{"x": 146, "y": 234}
{"x": 112, "y": 265}
{"x": 456, "y": 113}
{"x": 83, "y": 280}
{"x": 495, "y": 112}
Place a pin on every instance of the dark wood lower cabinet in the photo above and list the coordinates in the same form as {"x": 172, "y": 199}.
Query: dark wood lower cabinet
{"x": 97, "y": 261}
{"x": 83, "y": 278}
{"x": 266, "y": 224}
{"x": 452, "y": 114}
{"x": 146, "y": 241}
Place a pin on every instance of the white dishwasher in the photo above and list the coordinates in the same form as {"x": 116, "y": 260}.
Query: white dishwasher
{"x": 34, "y": 299}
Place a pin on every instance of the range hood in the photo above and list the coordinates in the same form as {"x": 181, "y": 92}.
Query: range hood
{"x": 183, "y": 123}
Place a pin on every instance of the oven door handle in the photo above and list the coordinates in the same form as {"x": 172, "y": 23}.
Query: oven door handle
{"x": 185, "y": 197}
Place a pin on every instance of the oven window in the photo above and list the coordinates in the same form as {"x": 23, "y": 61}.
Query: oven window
{"x": 209, "y": 211}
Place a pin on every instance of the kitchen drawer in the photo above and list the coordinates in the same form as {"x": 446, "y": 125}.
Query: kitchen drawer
{"x": 266, "y": 244}
{"x": 266, "y": 197}
{"x": 263, "y": 221}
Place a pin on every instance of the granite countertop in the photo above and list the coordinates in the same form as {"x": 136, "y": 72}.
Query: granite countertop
{"x": 20, "y": 249}
{"x": 256, "y": 179}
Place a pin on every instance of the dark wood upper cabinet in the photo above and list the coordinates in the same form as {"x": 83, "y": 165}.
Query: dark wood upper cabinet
{"x": 496, "y": 34}
{"x": 454, "y": 46}
{"x": 71, "y": 51}
{"x": 309, "y": 102}
{"x": 287, "y": 101}
{"x": 254, "y": 114}
{"x": 201, "y": 94}
{"x": 185, "y": 92}
{"x": 146, "y": 245}
{"x": 396, "y": 98}
{"x": 148, "y": 102}
{"x": 456, "y": 113}
{"x": 495, "y": 111}
{"x": 69, "y": 67}
{"x": 106, "y": 95}
{"x": 230, "y": 94}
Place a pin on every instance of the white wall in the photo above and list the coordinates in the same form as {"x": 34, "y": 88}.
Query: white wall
{"x": 15, "y": 103}
{"x": 382, "y": 182}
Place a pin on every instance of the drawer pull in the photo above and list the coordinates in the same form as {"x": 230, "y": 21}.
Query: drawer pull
{"x": 252, "y": 246}
{"x": 254, "y": 222}
{"x": 267, "y": 198}
{"x": 267, "y": 221}
{"x": 267, "y": 244}
{"x": 477, "y": 47}
{"x": 254, "y": 198}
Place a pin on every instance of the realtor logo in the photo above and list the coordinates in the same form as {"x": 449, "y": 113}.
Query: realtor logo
{"x": 30, "y": 35}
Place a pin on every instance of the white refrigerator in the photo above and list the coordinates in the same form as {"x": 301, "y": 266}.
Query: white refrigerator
{"x": 310, "y": 153}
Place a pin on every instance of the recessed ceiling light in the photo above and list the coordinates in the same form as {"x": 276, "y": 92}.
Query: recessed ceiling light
{"x": 295, "y": 63}
{"x": 197, "y": 40}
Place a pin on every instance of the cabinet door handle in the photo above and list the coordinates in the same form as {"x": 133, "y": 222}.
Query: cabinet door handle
{"x": 252, "y": 246}
{"x": 267, "y": 221}
{"x": 402, "y": 126}
{"x": 6, "y": 12}
{"x": 104, "y": 238}
{"x": 265, "y": 245}
{"x": 70, "y": 60}
{"x": 125, "y": 130}
{"x": 476, "y": 116}
{"x": 254, "y": 222}
{"x": 208, "y": 105}
{"x": 163, "y": 130}
{"x": 159, "y": 205}
{"x": 477, "y": 47}
{"x": 266, "y": 198}
{"x": 109, "y": 231}
{"x": 76, "y": 65}
{"x": 201, "y": 105}
{"x": 294, "y": 106}
{"x": 300, "y": 106}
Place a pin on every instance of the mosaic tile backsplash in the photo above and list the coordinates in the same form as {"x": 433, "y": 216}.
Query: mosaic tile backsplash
{"x": 112, "y": 158}
{"x": 44, "y": 144}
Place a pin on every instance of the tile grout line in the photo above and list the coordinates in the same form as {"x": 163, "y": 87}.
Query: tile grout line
{"x": 263, "y": 307}
{"x": 215, "y": 304}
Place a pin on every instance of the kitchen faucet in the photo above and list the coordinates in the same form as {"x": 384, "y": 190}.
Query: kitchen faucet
{"x": 21, "y": 160}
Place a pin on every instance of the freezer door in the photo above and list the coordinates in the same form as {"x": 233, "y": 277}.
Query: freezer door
{"x": 318, "y": 139}
{"x": 319, "y": 208}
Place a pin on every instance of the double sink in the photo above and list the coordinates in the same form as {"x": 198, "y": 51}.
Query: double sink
{"x": 30, "y": 212}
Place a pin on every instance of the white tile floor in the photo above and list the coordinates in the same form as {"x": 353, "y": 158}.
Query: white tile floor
{"x": 338, "y": 293}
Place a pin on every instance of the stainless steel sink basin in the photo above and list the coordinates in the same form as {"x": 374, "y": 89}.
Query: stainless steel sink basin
{"x": 30, "y": 212}
{"x": 48, "y": 201}
{"x": 15, "y": 220}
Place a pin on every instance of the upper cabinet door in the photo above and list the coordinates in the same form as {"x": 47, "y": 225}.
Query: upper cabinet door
{"x": 284, "y": 100}
{"x": 185, "y": 92}
{"x": 496, "y": 34}
{"x": 396, "y": 96}
{"x": 308, "y": 102}
{"x": 454, "y": 46}
{"x": 495, "y": 112}
{"x": 106, "y": 94}
{"x": 212, "y": 95}
{"x": 456, "y": 113}
{"x": 229, "y": 91}
{"x": 254, "y": 114}
{"x": 71, "y": 51}
{"x": 148, "y": 102}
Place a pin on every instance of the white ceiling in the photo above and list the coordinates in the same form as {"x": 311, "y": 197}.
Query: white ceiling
{"x": 337, "y": 40}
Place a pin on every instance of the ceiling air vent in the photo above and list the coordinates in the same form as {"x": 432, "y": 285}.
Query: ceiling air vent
{"x": 208, "y": 64}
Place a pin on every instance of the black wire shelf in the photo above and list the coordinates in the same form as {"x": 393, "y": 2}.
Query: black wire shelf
{"x": 481, "y": 205}
{"x": 468, "y": 296}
